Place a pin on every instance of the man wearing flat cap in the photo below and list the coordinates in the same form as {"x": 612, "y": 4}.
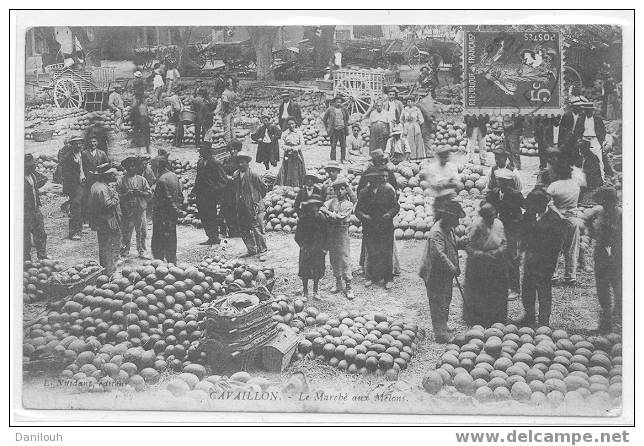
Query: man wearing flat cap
{"x": 267, "y": 137}
{"x": 249, "y": 191}
{"x": 289, "y": 109}
{"x": 134, "y": 194}
{"x": 509, "y": 203}
{"x": 34, "y": 222}
{"x": 336, "y": 123}
{"x": 104, "y": 212}
{"x": 210, "y": 184}
{"x": 439, "y": 266}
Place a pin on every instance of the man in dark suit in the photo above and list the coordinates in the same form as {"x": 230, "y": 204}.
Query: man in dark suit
{"x": 573, "y": 123}
{"x": 476, "y": 130}
{"x": 34, "y": 223}
{"x": 289, "y": 109}
{"x": 542, "y": 233}
{"x": 93, "y": 157}
{"x": 210, "y": 184}
{"x": 549, "y": 133}
{"x": 74, "y": 183}
{"x": 336, "y": 123}
{"x": 509, "y": 203}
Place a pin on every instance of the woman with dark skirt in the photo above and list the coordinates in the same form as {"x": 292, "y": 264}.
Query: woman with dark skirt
{"x": 292, "y": 171}
{"x": 310, "y": 236}
{"x": 486, "y": 276}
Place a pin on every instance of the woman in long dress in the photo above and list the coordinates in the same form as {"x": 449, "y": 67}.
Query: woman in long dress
{"x": 486, "y": 277}
{"x": 292, "y": 171}
{"x": 378, "y": 126}
{"x": 412, "y": 119}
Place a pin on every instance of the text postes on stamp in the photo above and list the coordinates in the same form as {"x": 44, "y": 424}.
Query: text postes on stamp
{"x": 512, "y": 72}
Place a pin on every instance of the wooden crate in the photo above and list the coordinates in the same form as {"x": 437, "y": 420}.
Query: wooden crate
{"x": 277, "y": 354}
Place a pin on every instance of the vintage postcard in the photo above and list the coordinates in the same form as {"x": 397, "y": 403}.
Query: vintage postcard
{"x": 404, "y": 218}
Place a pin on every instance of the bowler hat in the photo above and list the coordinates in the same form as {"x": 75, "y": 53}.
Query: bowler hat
{"x": 313, "y": 200}
{"x": 500, "y": 152}
{"x": 452, "y": 208}
{"x": 374, "y": 172}
{"x": 205, "y": 145}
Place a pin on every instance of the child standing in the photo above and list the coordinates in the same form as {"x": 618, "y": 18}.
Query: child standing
{"x": 310, "y": 236}
{"x": 338, "y": 211}
{"x": 134, "y": 193}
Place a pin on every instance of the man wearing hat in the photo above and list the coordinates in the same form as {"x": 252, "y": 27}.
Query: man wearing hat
{"x": 134, "y": 194}
{"x": 397, "y": 147}
{"x": 210, "y": 184}
{"x": 509, "y": 204}
{"x": 380, "y": 160}
{"x": 310, "y": 188}
{"x": 267, "y": 137}
{"x": 512, "y": 134}
{"x": 115, "y": 103}
{"x": 104, "y": 211}
{"x": 203, "y": 108}
{"x": 376, "y": 207}
{"x": 336, "y": 123}
{"x": 34, "y": 222}
{"x": 595, "y": 134}
{"x": 230, "y": 164}
{"x": 440, "y": 265}
{"x": 289, "y": 109}
{"x": 393, "y": 106}
{"x": 70, "y": 159}
{"x": 573, "y": 119}
{"x": 605, "y": 224}
{"x": 333, "y": 170}
{"x": 249, "y": 191}
{"x": 168, "y": 198}
{"x": 476, "y": 132}
{"x": 501, "y": 162}
{"x": 542, "y": 234}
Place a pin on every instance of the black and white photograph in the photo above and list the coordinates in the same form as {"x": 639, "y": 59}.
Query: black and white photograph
{"x": 411, "y": 218}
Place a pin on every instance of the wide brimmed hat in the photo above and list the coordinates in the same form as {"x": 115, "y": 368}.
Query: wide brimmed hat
{"x": 452, "y": 208}
{"x": 587, "y": 105}
{"x": 340, "y": 181}
{"x": 504, "y": 174}
{"x": 265, "y": 115}
{"x": 245, "y": 155}
{"x": 338, "y": 97}
{"x": 285, "y": 94}
{"x": 356, "y": 126}
{"x": 374, "y": 172}
{"x": 332, "y": 165}
{"x": 129, "y": 161}
{"x": 104, "y": 169}
{"x": 313, "y": 175}
{"x": 538, "y": 196}
{"x": 394, "y": 89}
{"x": 313, "y": 200}
{"x": 378, "y": 155}
{"x": 76, "y": 137}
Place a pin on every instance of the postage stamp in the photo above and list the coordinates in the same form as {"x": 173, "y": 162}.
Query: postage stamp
{"x": 512, "y": 72}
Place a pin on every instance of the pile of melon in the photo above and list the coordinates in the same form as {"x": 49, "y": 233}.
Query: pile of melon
{"x": 35, "y": 277}
{"x": 234, "y": 274}
{"x": 448, "y": 133}
{"x": 46, "y": 164}
{"x": 76, "y": 273}
{"x": 139, "y": 318}
{"x": 529, "y": 147}
{"x": 359, "y": 343}
{"x": 542, "y": 366}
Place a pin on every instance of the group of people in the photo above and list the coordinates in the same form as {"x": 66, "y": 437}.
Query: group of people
{"x": 514, "y": 247}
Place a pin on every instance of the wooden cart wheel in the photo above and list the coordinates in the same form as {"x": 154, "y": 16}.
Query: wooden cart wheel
{"x": 413, "y": 57}
{"x": 67, "y": 94}
{"x": 357, "y": 104}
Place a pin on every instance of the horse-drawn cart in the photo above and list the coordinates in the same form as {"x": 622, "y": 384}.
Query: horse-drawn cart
{"x": 361, "y": 88}
{"x": 76, "y": 88}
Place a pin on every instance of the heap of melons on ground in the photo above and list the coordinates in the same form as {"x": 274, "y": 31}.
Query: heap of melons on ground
{"x": 542, "y": 366}
{"x": 36, "y": 274}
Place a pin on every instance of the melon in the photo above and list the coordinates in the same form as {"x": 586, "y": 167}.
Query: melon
{"x": 484, "y": 394}
{"x": 464, "y": 383}
{"x": 521, "y": 391}
{"x": 433, "y": 382}
{"x": 178, "y": 387}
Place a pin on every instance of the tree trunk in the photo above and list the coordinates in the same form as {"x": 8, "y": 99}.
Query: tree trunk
{"x": 324, "y": 45}
{"x": 262, "y": 38}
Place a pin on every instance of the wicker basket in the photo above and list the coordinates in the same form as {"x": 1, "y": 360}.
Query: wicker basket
{"x": 277, "y": 354}
{"x": 54, "y": 290}
{"x": 43, "y": 135}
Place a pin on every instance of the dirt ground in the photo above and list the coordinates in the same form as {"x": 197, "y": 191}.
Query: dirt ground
{"x": 575, "y": 309}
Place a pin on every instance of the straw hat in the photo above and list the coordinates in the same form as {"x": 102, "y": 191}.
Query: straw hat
{"x": 341, "y": 181}
{"x": 129, "y": 161}
{"x": 332, "y": 165}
